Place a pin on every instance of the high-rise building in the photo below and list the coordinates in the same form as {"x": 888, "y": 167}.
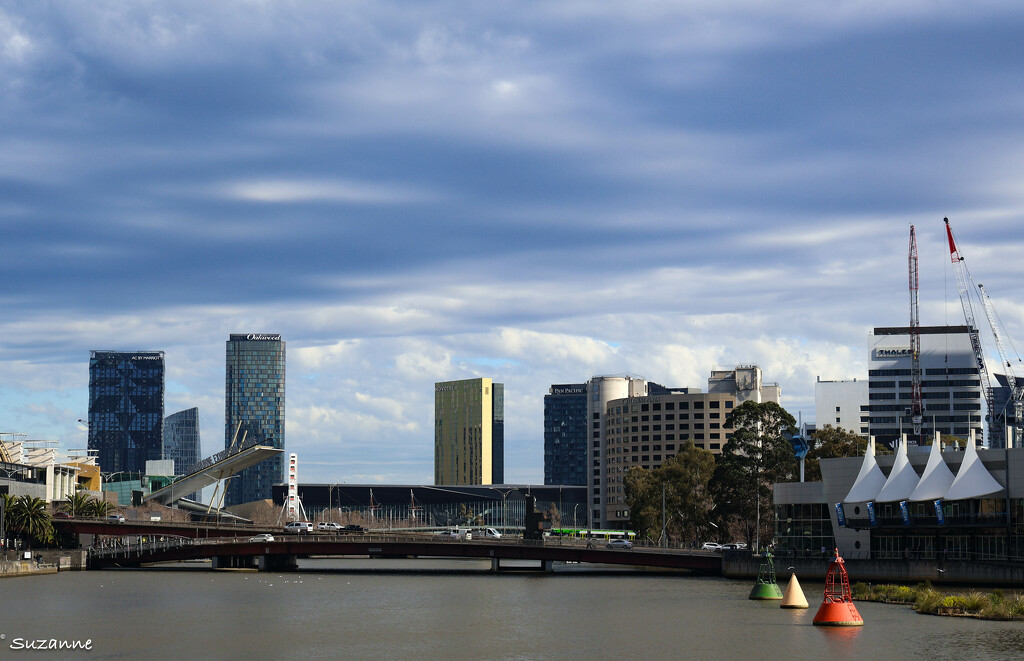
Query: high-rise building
{"x": 181, "y": 439}
{"x": 469, "y": 432}
{"x": 254, "y": 390}
{"x": 842, "y": 404}
{"x": 565, "y": 434}
{"x": 126, "y": 408}
{"x": 951, "y": 389}
{"x": 600, "y": 391}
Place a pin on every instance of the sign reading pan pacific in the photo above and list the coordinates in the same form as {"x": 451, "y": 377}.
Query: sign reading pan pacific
{"x": 256, "y": 337}
{"x": 892, "y": 352}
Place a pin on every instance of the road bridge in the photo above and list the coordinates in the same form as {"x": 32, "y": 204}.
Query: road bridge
{"x": 283, "y": 552}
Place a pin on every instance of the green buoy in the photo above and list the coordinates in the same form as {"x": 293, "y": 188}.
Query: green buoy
{"x": 766, "y": 587}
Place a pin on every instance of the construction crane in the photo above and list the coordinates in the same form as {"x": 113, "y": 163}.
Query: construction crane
{"x": 916, "y": 407}
{"x": 995, "y": 428}
{"x": 1016, "y": 386}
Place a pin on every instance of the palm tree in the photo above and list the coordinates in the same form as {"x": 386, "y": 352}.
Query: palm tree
{"x": 8, "y": 507}
{"x": 101, "y": 508}
{"x": 30, "y": 516}
{"x": 79, "y": 504}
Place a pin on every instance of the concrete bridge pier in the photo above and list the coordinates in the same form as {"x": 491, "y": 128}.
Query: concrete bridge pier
{"x": 231, "y": 562}
{"x": 277, "y": 563}
{"x": 542, "y": 565}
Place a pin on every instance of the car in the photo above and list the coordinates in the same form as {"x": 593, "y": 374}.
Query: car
{"x": 619, "y": 544}
{"x": 734, "y": 546}
{"x": 61, "y": 515}
{"x": 116, "y": 517}
{"x": 711, "y": 546}
{"x": 262, "y": 537}
{"x": 299, "y": 527}
{"x": 352, "y": 527}
{"x": 328, "y": 526}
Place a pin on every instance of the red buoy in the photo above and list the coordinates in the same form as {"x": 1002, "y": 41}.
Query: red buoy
{"x": 837, "y": 609}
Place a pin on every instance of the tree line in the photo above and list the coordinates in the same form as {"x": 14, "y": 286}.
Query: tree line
{"x": 699, "y": 496}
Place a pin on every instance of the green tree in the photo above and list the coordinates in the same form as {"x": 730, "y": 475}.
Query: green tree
{"x": 756, "y": 456}
{"x": 30, "y": 516}
{"x": 829, "y": 442}
{"x": 79, "y": 504}
{"x": 684, "y": 480}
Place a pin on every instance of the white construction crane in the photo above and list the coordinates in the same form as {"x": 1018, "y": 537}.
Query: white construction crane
{"x": 1016, "y": 385}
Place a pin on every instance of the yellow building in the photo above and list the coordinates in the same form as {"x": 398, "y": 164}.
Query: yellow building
{"x": 468, "y": 432}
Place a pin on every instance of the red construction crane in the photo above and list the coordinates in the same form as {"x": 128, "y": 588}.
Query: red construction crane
{"x": 916, "y": 407}
{"x": 994, "y": 418}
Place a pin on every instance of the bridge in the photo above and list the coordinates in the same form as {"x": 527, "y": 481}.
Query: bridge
{"x": 134, "y": 545}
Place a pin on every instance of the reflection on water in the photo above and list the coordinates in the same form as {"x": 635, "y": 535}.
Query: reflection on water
{"x": 452, "y": 609}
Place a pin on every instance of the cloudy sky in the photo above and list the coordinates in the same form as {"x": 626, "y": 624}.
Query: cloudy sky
{"x": 537, "y": 192}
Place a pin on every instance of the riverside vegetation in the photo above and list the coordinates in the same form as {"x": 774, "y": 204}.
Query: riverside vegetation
{"x": 925, "y": 599}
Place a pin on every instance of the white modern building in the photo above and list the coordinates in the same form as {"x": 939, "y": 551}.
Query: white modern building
{"x": 951, "y": 389}
{"x": 842, "y": 404}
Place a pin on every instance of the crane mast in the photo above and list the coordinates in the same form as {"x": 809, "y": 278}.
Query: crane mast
{"x": 916, "y": 407}
{"x": 1016, "y": 387}
{"x": 960, "y": 271}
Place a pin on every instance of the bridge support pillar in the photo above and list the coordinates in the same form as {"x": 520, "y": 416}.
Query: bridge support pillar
{"x": 545, "y": 566}
{"x": 232, "y": 562}
{"x": 277, "y": 563}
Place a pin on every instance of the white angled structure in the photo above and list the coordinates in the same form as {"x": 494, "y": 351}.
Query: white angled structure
{"x": 902, "y": 478}
{"x": 972, "y": 480}
{"x": 870, "y": 479}
{"x": 936, "y": 478}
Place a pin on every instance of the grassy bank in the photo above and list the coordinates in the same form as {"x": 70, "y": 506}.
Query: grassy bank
{"x": 924, "y": 598}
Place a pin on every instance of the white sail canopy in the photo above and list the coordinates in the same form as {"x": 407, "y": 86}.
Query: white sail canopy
{"x": 902, "y": 479}
{"x": 869, "y": 481}
{"x": 972, "y": 480}
{"x": 936, "y": 478}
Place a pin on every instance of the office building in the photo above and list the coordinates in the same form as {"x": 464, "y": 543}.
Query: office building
{"x": 634, "y": 422}
{"x": 951, "y": 392}
{"x": 254, "y": 390}
{"x": 565, "y": 434}
{"x": 469, "y": 432}
{"x": 181, "y": 442}
{"x": 126, "y": 408}
{"x": 842, "y": 404}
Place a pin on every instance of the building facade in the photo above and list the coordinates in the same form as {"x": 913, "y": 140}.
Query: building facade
{"x": 600, "y": 391}
{"x": 951, "y": 391}
{"x": 469, "y": 432}
{"x": 842, "y": 404}
{"x": 565, "y": 434}
{"x": 254, "y": 410}
{"x": 126, "y": 408}
{"x": 181, "y": 439}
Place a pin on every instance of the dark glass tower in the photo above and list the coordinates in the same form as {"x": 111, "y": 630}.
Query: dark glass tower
{"x": 126, "y": 408}
{"x": 181, "y": 439}
{"x": 498, "y": 434}
{"x": 254, "y": 410}
{"x": 565, "y": 435}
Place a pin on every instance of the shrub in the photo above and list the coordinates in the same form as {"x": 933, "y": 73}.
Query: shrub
{"x": 928, "y": 601}
{"x": 860, "y": 591}
{"x": 954, "y": 601}
{"x": 975, "y": 601}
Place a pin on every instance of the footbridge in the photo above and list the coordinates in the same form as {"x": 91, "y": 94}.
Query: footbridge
{"x": 283, "y": 552}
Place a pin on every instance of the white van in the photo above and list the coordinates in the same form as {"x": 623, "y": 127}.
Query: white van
{"x": 487, "y": 533}
{"x": 299, "y": 527}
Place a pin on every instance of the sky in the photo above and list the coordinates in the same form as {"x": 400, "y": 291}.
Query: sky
{"x": 535, "y": 192}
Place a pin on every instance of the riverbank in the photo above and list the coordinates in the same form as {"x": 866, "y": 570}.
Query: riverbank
{"x": 43, "y": 561}
{"x": 926, "y": 600}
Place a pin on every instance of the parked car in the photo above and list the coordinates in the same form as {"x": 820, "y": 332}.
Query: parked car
{"x": 711, "y": 546}
{"x": 352, "y": 527}
{"x": 61, "y": 515}
{"x": 299, "y": 527}
{"x": 734, "y": 546}
{"x": 619, "y": 544}
{"x": 328, "y": 526}
{"x": 116, "y": 517}
{"x": 262, "y": 537}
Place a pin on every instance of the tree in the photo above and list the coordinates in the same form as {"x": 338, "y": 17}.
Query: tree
{"x": 829, "y": 442}
{"x": 31, "y": 517}
{"x": 79, "y": 504}
{"x": 684, "y": 481}
{"x": 756, "y": 456}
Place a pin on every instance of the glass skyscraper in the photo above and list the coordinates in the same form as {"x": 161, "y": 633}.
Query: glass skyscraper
{"x": 469, "y": 432}
{"x": 254, "y": 410}
{"x": 181, "y": 439}
{"x": 565, "y": 434}
{"x": 126, "y": 408}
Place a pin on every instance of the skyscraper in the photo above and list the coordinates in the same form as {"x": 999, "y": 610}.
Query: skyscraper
{"x": 254, "y": 410}
{"x": 126, "y": 408}
{"x": 469, "y": 429}
{"x": 565, "y": 434}
{"x": 181, "y": 439}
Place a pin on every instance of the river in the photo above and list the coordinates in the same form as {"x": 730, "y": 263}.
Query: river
{"x": 443, "y": 609}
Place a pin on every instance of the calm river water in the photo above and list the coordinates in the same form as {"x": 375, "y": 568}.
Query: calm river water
{"x": 455, "y": 610}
